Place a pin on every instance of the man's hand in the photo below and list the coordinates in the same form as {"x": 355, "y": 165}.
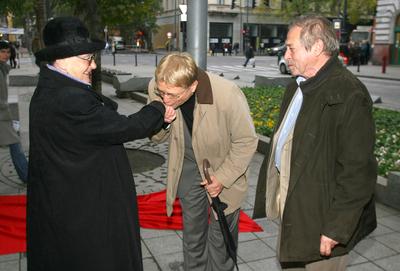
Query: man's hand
{"x": 326, "y": 245}
{"x": 170, "y": 114}
{"x": 214, "y": 188}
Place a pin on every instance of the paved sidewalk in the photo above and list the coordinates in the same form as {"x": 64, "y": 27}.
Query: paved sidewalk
{"x": 375, "y": 71}
{"x": 162, "y": 249}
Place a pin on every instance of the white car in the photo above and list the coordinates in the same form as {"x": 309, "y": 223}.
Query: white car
{"x": 283, "y": 67}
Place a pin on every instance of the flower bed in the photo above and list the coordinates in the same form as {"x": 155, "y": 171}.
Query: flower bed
{"x": 264, "y": 105}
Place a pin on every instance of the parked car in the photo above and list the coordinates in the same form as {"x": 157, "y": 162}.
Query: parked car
{"x": 283, "y": 67}
{"x": 275, "y": 50}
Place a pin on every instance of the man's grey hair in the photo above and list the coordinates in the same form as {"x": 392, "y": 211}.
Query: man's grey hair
{"x": 314, "y": 28}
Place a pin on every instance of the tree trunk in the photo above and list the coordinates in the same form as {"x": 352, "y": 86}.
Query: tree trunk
{"x": 41, "y": 19}
{"x": 89, "y": 11}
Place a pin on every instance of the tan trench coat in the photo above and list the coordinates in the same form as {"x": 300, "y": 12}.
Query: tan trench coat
{"x": 223, "y": 132}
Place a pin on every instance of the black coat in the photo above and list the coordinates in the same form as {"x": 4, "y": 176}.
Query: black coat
{"x": 82, "y": 209}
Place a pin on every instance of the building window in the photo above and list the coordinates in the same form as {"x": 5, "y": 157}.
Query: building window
{"x": 221, "y": 2}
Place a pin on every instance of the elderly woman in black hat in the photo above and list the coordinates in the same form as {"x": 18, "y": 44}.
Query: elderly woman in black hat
{"x": 82, "y": 211}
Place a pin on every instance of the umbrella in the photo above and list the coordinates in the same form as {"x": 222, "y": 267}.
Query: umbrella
{"x": 219, "y": 208}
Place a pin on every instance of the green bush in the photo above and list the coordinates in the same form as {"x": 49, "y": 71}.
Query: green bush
{"x": 264, "y": 106}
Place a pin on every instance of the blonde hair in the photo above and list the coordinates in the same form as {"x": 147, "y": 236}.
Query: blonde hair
{"x": 314, "y": 28}
{"x": 177, "y": 69}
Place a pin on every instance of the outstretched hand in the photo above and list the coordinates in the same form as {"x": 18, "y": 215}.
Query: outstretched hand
{"x": 170, "y": 114}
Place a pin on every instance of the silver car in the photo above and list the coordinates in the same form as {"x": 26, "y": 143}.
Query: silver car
{"x": 283, "y": 67}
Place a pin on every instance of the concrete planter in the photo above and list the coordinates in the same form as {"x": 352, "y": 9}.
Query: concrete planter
{"x": 23, "y": 80}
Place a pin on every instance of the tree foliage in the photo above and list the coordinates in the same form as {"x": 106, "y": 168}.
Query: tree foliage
{"x": 357, "y": 10}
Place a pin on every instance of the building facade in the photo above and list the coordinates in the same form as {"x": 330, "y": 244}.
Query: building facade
{"x": 230, "y": 23}
{"x": 387, "y": 33}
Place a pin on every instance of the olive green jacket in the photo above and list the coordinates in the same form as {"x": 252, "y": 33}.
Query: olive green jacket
{"x": 333, "y": 170}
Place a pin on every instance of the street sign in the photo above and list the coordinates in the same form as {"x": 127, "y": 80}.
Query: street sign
{"x": 11, "y": 30}
{"x": 183, "y": 9}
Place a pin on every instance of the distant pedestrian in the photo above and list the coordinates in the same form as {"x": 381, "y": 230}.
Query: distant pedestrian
{"x": 82, "y": 211}
{"x": 249, "y": 54}
{"x": 13, "y": 56}
{"x": 320, "y": 173}
{"x": 8, "y": 134}
{"x": 236, "y": 48}
{"x": 261, "y": 48}
{"x": 212, "y": 47}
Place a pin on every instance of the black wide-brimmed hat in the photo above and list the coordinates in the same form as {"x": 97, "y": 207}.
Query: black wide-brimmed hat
{"x": 66, "y": 37}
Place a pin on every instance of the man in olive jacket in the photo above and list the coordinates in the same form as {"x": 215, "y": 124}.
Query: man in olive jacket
{"x": 213, "y": 121}
{"x": 320, "y": 170}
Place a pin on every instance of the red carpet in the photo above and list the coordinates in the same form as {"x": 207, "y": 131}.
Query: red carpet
{"x": 152, "y": 215}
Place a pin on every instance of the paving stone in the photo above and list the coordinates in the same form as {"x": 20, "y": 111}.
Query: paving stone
{"x": 164, "y": 245}
{"x": 271, "y": 242}
{"x": 383, "y": 210}
{"x": 392, "y": 222}
{"x": 254, "y": 250}
{"x": 390, "y": 240}
{"x": 244, "y": 267}
{"x": 373, "y": 250}
{"x": 355, "y": 258}
{"x": 170, "y": 262}
{"x": 364, "y": 267}
{"x": 10, "y": 257}
{"x": 150, "y": 233}
{"x": 380, "y": 230}
{"x": 270, "y": 228}
{"x": 9, "y": 266}
{"x": 270, "y": 264}
{"x": 246, "y": 236}
{"x": 390, "y": 264}
{"x": 145, "y": 251}
{"x": 150, "y": 264}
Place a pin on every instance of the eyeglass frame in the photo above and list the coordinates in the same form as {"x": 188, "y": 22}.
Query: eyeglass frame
{"x": 90, "y": 59}
{"x": 172, "y": 96}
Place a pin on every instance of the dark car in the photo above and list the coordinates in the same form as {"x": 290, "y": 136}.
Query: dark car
{"x": 275, "y": 50}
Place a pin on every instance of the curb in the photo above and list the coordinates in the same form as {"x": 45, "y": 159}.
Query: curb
{"x": 377, "y": 77}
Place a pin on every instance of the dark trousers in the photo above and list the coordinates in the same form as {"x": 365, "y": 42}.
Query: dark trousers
{"x": 203, "y": 244}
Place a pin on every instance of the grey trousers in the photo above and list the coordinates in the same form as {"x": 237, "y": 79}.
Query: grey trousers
{"x": 333, "y": 264}
{"x": 203, "y": 244}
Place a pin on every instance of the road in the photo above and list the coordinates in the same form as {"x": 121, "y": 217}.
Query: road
{"x": 388, "y": 90}
{"x": 231, "y": 67}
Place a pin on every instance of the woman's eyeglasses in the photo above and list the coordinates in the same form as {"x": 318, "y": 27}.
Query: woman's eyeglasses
{"x": 89, "y": 59}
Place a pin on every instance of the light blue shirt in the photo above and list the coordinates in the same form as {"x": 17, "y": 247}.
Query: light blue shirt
{"x": 51, "y": 67}
{"x": 288, "y": 125}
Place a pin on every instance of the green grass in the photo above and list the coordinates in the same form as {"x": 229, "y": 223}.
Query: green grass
{"x": 264, "y": 105}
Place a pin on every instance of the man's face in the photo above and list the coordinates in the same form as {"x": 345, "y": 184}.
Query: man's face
{"x": 80, "y": 67}
{"x": 299, "y": 60}
{"x": 4, "y": 55}
{"x": 173, "y": 95}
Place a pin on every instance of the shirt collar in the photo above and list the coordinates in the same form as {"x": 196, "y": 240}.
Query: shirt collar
{"x": 300, "y": 79}
{"x": 204, "y": 89}
{"x": 51, "y": 67}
